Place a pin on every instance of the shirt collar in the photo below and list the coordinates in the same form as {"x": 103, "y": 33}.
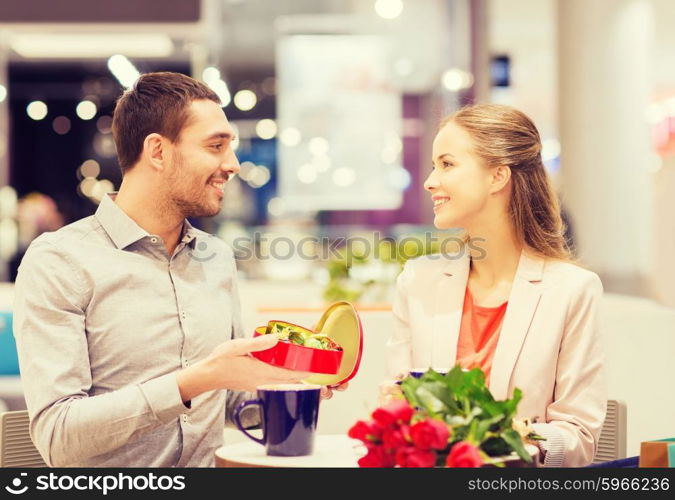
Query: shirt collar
{"x": 124, "y": 231}
{"x": 189, "y": 234}
{"x": 530, "y": 267}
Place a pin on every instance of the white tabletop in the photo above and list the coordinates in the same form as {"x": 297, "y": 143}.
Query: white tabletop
{"x": 330, "y": 450}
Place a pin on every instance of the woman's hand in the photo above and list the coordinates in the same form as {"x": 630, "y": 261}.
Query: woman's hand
{"x": 389, "y": 390}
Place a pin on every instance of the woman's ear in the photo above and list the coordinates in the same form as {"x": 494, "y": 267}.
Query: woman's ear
{"x": 154, "y": 151}
{"x": 500, "y": 178}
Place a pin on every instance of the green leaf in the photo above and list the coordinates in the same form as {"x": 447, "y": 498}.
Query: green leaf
{"x": 514, "y": 440}
{"x": 535, "y": 437}
{"x": 492, "y": 408}
{"x": 441, "y": 392}
{"x": 456, "y": 420}
{"x": 489, "y": 460}
{"x": 409, "y": 388}
{"x": 432, "y": 375}
{"x": 476, "y": 411}
{"x": 484, "y": 426}
{"x": 510, "y": 405}
{"x": 430, "y": 401}
{"x": 472, "y": 431}
{"x": 453, "y": 379}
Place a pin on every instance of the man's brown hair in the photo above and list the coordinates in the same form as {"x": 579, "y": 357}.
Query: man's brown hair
{"x": 157, "y": 103}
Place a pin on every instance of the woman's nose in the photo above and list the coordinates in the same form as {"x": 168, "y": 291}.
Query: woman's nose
{"x": 430, "y": 183}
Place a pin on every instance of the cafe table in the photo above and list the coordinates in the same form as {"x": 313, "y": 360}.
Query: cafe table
{"x": 330, "y": 450}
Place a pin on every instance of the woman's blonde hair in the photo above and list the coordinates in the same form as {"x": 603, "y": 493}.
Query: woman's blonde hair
{"x": 504, "y": 136}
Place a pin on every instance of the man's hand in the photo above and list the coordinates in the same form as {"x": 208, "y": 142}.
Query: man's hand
{"x": 230, "y": 366}
{"x": 327, "y": 390}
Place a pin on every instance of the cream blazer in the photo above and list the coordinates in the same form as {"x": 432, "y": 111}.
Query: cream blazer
{"x": 549, "y": 345}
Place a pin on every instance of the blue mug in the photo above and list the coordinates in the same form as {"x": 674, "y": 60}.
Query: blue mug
{"x": 417, "y": 373}
{"x": 289, "y": 413}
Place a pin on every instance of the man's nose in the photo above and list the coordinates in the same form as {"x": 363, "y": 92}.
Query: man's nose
{"x": 231, "y": 163}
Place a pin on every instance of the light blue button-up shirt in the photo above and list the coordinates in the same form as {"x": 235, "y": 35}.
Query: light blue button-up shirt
{"x": 104, "y": 318}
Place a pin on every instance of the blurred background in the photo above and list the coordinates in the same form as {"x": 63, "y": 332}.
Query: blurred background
{"x": 336, "y": 103}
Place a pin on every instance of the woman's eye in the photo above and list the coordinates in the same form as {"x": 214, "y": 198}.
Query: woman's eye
{"x": 217, "y": 147}
{"x": 443, "y": 165}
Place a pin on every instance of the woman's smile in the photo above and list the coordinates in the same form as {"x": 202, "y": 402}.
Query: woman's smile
{"x": 439, "y": 201}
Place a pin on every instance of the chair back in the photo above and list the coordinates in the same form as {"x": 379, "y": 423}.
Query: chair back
{"x": 16, "y": 447}
{"x": 612, "y": 442}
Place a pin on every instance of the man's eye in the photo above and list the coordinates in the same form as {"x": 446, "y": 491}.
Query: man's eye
{"x": 217, "y": 147}
{"x": 447, "y": 164}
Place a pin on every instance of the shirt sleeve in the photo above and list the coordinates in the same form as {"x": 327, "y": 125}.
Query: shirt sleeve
{"x": 399, "y": 345}
{"x": 249, "y": 419}
{"x": 66, "y": 424}
{"x": 574, "y": 419}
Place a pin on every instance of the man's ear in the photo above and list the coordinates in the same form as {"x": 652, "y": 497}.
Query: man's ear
{"x": 155, "y": 151}
{"x": 500, "y": 178}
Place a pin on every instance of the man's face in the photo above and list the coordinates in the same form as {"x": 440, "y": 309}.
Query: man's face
{"x": 202, "y": 161}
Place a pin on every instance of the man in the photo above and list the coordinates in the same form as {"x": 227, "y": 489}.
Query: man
{"x": 125, "y": 339}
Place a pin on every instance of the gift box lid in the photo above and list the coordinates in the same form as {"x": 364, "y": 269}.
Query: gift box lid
{"x": 341, "y": 322}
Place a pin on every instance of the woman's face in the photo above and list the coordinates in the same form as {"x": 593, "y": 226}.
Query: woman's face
{"x": 459, "y": 183}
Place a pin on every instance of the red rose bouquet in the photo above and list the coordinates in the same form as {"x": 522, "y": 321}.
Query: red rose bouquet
{"x": 443, "y": 420}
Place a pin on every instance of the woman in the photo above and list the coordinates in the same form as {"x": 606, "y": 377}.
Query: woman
{"x": 511, "y": 301}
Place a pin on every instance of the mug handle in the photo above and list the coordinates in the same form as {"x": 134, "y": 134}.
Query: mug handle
{"x": 237, "y": 419}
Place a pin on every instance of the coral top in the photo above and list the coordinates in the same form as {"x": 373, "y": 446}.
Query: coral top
{"x": 478, "y": 334}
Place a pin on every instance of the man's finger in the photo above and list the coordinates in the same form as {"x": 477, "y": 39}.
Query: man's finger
{"x": 326, "y": 392}
{"x": 341, "y": 387}
{"x": 286, "y": 375}
{"x": 239, "y": 347}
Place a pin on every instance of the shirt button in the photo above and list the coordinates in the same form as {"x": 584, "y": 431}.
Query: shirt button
{"x": 184, "y": 418}
{"x": 154, "y": 240}
{"x": 186, "y": 363}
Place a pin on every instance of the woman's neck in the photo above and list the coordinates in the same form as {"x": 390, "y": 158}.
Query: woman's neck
{"x": 495, "y": 253}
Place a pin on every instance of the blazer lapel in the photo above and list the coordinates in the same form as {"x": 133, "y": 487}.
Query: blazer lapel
{"x": 448, "y": 313}
{"x": 523, "y": 301}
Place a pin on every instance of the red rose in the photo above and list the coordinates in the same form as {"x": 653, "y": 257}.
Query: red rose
{"x": 376, "y": 457}
{"x": 367, "y": 432}
{"x": 394, "y": 438}
{"x": 405, "y": 430}
{"x": 396, "y": 412}
{"x": 430, "y": 433}
{"x": 464, "y": 454}
{"x": 409, "y": 456}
